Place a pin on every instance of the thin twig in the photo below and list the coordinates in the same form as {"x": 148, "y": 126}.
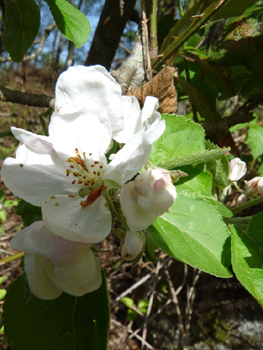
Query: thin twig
{"x": 242, "y": 115}
{"x": 14, "y": 96}
{"x": 145, "y": 43}
{"x": 153, "y": 29}
{"x": 190, "y": 302}
{"x": 178, "y": 310}
{"x": 149, "y": 346}
{"x": 129, "y": 290}
{"x": 149, "y": 308}
{"x": 152, "y": 317}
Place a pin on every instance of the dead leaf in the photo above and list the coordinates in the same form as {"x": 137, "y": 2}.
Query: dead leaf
{"x": 162, "y": 87}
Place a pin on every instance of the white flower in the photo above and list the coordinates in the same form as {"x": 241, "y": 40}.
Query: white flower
{"x": 150, "y": 195}
{"x": 67, "y": 172}
{"x": 255, "y": 187}
{"x": 132, "y": 245}
{"x": 238, "y": 169}
{"x": 53, "y": 264}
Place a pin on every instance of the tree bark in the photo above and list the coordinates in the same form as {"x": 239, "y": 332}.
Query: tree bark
{"x": 113, "y": 19}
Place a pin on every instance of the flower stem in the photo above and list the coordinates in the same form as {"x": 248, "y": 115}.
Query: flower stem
{"x": 247, "y": 205}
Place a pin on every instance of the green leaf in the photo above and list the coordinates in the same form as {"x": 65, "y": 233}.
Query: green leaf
{"x": 218, "y": 77}
{"x": 23, "y": 19}
{"x": 199, "y": 101}
{"x": 143, "y": 303}
{"x": 73, "y": 24}
{"x": 10, "y": 203}
{"x": 239, "y": 29}
{"x": 68, "y": 322}
{"x": 128, "y": 302}
{"x": 233, "y": 8}
{"x": 240, "y": 76}
{"x": 3, "y": 215}
{"x": 200, "y": 182}
{"x": 3, "y": 279}
{"x": 150, "y": 249}
{"x": 255, "y": 140}
{"x": 196, "y": 78}
{"x": 219, "y": 168}
{"x": 247, "y": 256}
{"x": 2, "y": 294}
{"x": 29, "y": 212}
{"x": 194, "y": 158}
{"x": 132, "y": 315}
{"x": 197, "y": 181}
{"x": 181, "y": 26}
{"x": 2, "y": 196}
{"x": 181, "y": 137}
{"x": 193, "y": 232}
{"x": 246, "y": 52}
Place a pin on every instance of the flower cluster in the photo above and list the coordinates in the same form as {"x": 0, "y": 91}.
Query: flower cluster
{"x": 68, "y": 174}
{"x": 253, "y": 187}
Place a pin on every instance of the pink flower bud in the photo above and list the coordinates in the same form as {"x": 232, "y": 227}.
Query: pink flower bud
{"x": 255, "y": 187}
{"x": 150, "y": 195}
{"x": 238, "y": 169}
{"x": 131, "y": 245}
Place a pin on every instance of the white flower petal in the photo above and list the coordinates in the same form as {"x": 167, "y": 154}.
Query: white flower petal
{"x": 23, "y": 240}
{"x": 132, "y": 114}
{"x": 35, "y": 177}
{"x": 35, "y": 264}
{"x": 36, "y": 143}
{"x": 77, "y": 271}
{"x": 238, "y": 169}
{"x": 150, "y": 107}
{"x": 88, "y": 132}
{"x": 137, "y": 218}
{"x": 155, "y": 191}
{"x": 133, "y": 244}
{"x": 65, "y": 216}
{"x": 53, "y": 264}
{"x": 131, "y": 158}
{"x": 39, "y": 282}
{"x": 79, "y": 84}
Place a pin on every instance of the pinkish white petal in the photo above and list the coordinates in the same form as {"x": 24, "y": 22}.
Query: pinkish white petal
{"x": 78, "y": 85}
{"x": 131, "y": 158}
{"x": 65, "y": 216}
{"x": 238, "y": 169}
{"x": 137, "y": 218}
{"x": 34, "y": 177}
{"x": 36, "y": 143}
{"x": 80, "y": 131}
{"x": 132, "y": 245}
{"x": 54, "y": 265}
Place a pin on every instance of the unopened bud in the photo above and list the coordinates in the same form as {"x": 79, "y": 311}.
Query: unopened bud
{"x": 238, "y": 169}
{"x": 150, "y": 195}
{"x": 255, "y": 187}
{"x": 131, "y": 245}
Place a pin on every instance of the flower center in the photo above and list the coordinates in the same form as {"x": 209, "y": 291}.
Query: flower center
{"x": 85, "y": 173}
